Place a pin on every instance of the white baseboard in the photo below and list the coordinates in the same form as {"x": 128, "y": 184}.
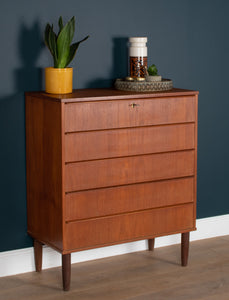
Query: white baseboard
{"x": 22, "y": 260}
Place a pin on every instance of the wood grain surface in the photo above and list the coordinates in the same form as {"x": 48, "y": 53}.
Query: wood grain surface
{"x": 127, "y": 227}
{"x": 126, "y": 142}
{"x": 44, "y": 171}
{"x": 119, "y": 114}
{"x": 106, "y": 167}
{"x": 142, "y": 275}
{"x": 104, "y": 94}
{"x": 115, "y": 200}
{"x": 128, "y": 170}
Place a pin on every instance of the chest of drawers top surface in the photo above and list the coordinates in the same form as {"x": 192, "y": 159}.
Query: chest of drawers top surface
{"x": 84, "y": 95}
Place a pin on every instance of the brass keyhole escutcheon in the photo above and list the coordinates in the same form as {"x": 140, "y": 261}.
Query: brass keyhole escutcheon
{"x": 133, "y": 105}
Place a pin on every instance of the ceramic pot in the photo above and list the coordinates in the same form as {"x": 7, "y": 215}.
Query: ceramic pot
{"x": 153, "y": 78}
{"x": 58, "y": 80}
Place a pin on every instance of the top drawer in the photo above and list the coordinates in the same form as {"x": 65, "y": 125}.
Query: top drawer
{"x": 122, "y": 113}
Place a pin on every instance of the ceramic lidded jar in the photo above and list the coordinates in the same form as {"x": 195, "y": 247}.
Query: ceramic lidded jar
{"x": 138, "y": 56}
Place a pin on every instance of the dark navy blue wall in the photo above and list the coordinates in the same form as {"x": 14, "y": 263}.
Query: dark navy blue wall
{"x": 187, "y": 39}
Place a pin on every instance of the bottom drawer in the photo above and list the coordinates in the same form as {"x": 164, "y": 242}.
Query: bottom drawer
{"x": 126, "y": 227}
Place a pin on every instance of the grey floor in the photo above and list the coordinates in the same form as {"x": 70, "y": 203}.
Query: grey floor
{"x": 138, "y": 276}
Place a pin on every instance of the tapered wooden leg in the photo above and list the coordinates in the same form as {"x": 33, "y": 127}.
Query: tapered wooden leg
{"x": 184, "y": 248}
{"x": 66, "y": 271}
{"x": 151, "y": 243}
{"x": 38, "y": 255}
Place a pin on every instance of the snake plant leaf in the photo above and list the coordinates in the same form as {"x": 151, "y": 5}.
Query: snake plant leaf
{"x": 73, "y": 49}
{"x": 53, "y": 45}
{"x": 60, "y": 23}
{"x": 63, "y": 43}
{"x": 47, "y": 30}
{"x": 50, "y": 41}
{"x": 72, "y": 28}
{"x": 60, "y": 45}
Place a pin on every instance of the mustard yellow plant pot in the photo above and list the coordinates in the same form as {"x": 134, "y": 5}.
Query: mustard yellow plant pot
{"x": 58, "y": 80}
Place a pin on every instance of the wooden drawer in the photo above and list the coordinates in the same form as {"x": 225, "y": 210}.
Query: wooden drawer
{"x": 119, "y": 114}
{"x": 127, "y": 170}
{"x": 124, "y": 142}
{"x": 133, "y": 226}
{"x": 116, "y": 200}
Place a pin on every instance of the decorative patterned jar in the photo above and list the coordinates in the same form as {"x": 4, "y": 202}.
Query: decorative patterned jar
{"x": 138, "y": 56}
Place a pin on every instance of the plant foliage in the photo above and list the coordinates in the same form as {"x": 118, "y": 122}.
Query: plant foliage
{"x": 60, "y": 45}
{"x": 152, "y": 70}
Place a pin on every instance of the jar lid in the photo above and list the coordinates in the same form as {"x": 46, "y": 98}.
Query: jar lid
{"x": 138, "y": 39}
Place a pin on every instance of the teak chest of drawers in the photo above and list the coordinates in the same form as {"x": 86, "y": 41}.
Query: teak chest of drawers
{"x": 107, "y": 167}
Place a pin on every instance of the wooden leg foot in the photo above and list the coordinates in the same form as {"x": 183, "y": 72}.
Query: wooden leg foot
{"x": 38, "y": 255}
{"x": 151, "y": 243}
{"x": 184, "y": 248}
{"x": 66, "y": 271}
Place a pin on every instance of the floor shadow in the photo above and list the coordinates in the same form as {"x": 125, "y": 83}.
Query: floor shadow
{"x": 119, "y": 66}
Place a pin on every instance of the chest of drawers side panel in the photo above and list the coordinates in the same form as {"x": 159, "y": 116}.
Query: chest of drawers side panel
{"x": 195, "y": 160}
{"x": 44, "y": 170}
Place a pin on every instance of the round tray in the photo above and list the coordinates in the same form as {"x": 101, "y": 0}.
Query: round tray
{"x": 145, "y": 86}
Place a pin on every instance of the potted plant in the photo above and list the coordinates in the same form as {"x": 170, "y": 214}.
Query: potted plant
{"x": 58, "y": 79}
{"x": 152, "y": 74}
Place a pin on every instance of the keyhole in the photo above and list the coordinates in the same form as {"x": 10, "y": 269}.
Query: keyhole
{"x": 133, "y": 105}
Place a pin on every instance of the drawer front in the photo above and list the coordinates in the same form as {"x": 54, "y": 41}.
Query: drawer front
{"x": 119, "y": 114}
{"x": 132, "y": 226}
{"x": 116, "y": 200}
{"x": 125, "y": 142}
{"x": 127, "y": 170}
